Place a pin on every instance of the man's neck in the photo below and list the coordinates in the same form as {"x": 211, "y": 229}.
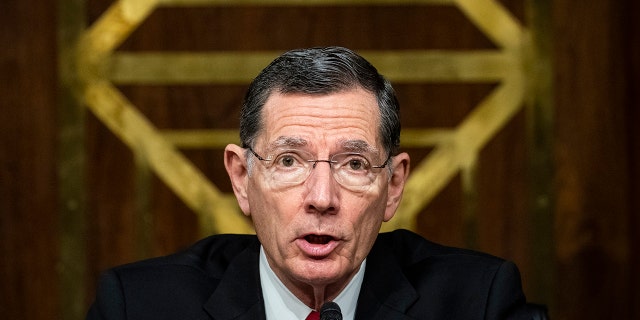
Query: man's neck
{"x": 278, "y": 295}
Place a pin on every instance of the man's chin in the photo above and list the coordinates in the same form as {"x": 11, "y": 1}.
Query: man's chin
{"x": 321, "y": 273}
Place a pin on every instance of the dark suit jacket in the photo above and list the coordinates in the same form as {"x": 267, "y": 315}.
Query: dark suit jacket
{"x": 407, "y": 277}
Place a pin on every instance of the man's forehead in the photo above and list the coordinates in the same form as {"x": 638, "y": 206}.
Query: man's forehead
{"x": 348, "y": 118}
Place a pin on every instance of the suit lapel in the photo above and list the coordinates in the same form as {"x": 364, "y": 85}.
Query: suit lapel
{"x": 239, "y": 296}
{"x": 386, "y": 293}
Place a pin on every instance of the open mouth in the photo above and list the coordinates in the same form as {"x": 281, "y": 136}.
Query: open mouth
{"x": 318, "y": 246}
{"x": 318, "y": 239}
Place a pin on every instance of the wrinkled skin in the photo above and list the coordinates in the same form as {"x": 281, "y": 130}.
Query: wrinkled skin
{"x": 316, "y": 234}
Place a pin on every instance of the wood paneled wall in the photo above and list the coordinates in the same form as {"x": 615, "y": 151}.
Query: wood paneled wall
{"x": 28, "y": 136}
{"x": 596, "y": 145}
{"x": 596, "y": 158}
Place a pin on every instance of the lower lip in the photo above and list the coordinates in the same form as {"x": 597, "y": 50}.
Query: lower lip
{"x": 316, "y": 251}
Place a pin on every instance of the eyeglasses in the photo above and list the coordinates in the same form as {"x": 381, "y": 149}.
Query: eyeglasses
{"x": 291, "y": 167}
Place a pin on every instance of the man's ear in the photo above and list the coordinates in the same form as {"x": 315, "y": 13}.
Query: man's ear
{"x": 399, "y": 176}
{"x": 236, "y": 165}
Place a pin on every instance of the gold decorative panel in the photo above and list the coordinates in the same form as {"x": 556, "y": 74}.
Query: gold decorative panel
{"x": 99, "y": 68}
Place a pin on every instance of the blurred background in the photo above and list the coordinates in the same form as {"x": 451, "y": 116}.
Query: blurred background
{"x": 520, "y": 117}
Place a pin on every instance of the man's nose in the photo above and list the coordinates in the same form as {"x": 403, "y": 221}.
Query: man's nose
{"x": 322, "y": 189}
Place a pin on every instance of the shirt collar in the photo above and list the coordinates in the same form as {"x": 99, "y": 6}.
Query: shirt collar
{"x": 280, "y": 303}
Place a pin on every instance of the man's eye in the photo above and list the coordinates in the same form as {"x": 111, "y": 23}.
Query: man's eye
{"x": 356, "y": 163}
{"x": 287, "y": 160}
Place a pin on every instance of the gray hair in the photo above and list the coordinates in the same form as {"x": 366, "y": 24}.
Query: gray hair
{"x": 318, "y": 71}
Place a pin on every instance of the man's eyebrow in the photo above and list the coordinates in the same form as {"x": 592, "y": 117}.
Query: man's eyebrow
{"x": 288, "y": 142}
{"x": 358, "y": 146}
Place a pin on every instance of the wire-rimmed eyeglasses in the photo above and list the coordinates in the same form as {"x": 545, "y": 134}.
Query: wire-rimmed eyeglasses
{"x": 288, "y": 167}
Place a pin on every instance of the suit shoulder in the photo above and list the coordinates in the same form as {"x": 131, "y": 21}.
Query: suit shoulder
{"x": 208, "y": 256}
{"x": 444, "y": 278}
{"x": 410, "y": 248}
{"x": 174, "y": 286}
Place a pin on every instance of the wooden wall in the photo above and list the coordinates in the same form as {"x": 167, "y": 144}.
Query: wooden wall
{"x": 595, "y": 192}
{"x": 596, "y": 158}
{"x": 28, "y": 134}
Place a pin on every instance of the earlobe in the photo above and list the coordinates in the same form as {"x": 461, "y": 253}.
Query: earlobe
{"x": 398, "y": 178}
{"x": 236, "y": 166}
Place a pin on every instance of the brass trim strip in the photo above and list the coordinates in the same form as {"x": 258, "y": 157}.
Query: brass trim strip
{"x": 193, "y": 3}
{"x": 242, "y": 67}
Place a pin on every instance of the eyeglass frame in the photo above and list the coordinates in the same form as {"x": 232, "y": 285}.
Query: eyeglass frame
{"x": 329, "y": 161}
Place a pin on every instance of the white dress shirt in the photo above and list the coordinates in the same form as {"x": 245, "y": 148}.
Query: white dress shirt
{"x": 281, "y": 304}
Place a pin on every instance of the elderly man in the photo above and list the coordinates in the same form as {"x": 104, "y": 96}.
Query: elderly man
{"x": 318, "y": 172}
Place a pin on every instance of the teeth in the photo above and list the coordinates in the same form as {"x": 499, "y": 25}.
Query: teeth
{"x": 316, "y": 239}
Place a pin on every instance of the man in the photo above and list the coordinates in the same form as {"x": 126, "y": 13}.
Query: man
{"x": 318, "y": 172}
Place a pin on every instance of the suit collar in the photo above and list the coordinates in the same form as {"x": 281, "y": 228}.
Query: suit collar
{"x": 239, "y": 295}
{"x": 386, "y": 293}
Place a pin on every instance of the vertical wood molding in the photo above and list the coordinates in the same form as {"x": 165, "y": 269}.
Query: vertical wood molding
{"x": 72, "y": 266}
{"x": 143, "y": 220}
{"x": 539, "y": 116}
{"x": 470, "y": 205}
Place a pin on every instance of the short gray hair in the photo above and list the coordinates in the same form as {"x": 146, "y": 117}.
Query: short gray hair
{"x": 318, "y": 71}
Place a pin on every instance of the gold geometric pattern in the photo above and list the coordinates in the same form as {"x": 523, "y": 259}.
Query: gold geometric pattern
{"x": 100, "y": 67}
